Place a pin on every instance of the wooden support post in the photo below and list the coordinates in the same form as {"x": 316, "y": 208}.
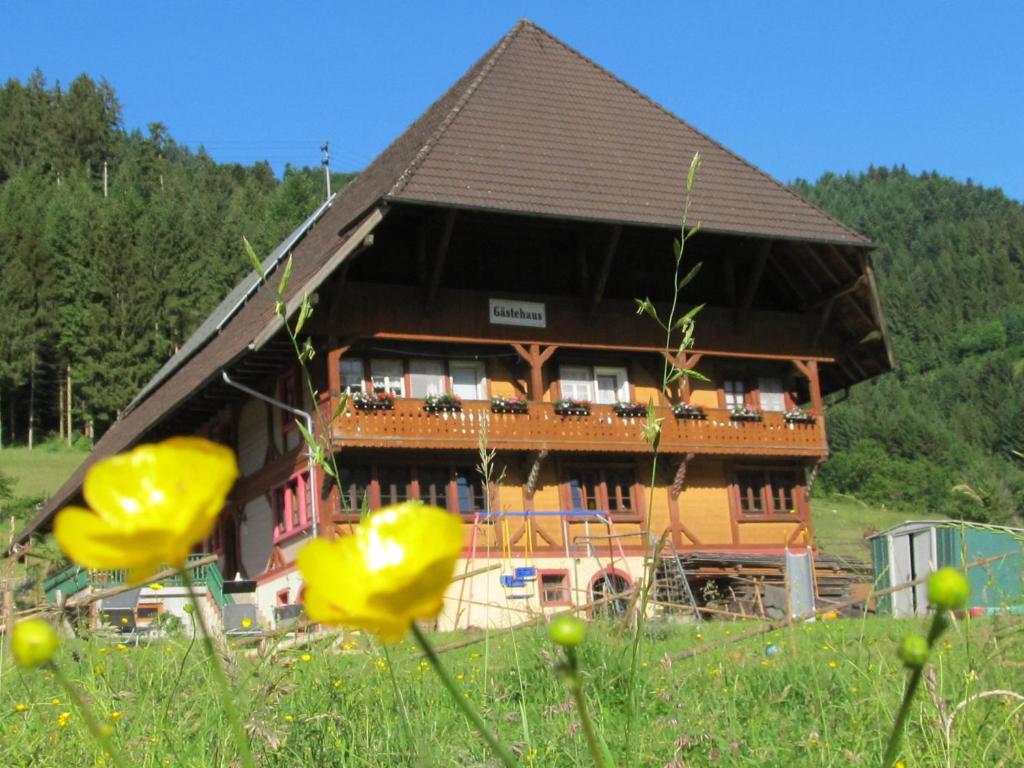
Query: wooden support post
{"x": 439, "y": 259}
{"x": 601, "y": 279}
{"x": 755, "y": 275}
{"x": 684, "y": 362}
{"x": 535, "y": 355}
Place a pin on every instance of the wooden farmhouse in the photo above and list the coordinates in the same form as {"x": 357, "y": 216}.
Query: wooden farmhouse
{"x": 474, "y": 285}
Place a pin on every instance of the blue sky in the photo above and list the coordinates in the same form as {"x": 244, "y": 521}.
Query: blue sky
{"x": 798, "y": 88}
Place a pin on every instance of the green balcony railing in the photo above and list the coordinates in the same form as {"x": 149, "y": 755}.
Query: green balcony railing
{"x": 74, "y": 579}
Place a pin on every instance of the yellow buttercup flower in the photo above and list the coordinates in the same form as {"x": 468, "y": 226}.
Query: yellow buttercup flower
{"x": 392, "y": 571}
{"x": 148, "y": 507}
{"x": 33, "y": 642}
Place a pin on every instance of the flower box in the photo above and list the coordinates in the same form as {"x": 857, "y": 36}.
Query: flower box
{"x": 373, "y": 401}
{"x": 442, "y": 403}
{"x": 630, "y": 409}
{"x": 745, "y": 413}
{"x": 687, "y": 411}
{"x": 509, "y": 405}
{"x": 798, "y": 416}
{"x": 570, "y": 407}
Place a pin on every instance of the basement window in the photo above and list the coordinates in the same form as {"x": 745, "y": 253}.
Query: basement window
{"x": 554, "y": 588}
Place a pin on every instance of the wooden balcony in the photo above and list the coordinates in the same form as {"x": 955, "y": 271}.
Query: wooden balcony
{"x": 408, "y": 425}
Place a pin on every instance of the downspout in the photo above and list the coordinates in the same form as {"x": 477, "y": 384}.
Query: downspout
{"x": 308, "y": 418}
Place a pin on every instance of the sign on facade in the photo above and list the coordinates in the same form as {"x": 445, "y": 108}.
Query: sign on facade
{"x": 508, "y": 312}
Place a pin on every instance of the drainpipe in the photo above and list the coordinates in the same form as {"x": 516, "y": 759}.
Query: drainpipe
{"x": 308, "y": 418}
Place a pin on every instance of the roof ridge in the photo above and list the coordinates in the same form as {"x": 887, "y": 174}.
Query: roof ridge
{"x": 456, "y": 109}
{"x": 611, "y": 75}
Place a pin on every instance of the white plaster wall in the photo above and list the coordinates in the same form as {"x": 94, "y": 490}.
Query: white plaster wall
{"x": 252, "y": 436}
{"x": 256, "y": 536}
{"x": 266, "y": 594}
{"x": 481, "y": 600}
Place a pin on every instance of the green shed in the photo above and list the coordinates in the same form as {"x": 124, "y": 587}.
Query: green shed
{"x": 915, "y": 548}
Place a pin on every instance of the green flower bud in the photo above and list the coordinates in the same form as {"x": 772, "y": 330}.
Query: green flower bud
{"x": 187, "y": 608}
{"x": 567, "y": 631}
{"x": 948, "y": 589}
{"x": 914, "y": 651}
{"x": 33, "y": 643}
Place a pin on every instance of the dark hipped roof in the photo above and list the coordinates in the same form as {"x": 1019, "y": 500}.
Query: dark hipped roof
{"x": 544, "y": 130}
{"x": 533, "y": 127}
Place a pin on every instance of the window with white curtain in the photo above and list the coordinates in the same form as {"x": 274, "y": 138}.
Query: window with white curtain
{"x": 388, "y": 376}
{"x": 576, "y": 382}
{"x": 468, "y": 379}
{"x": 426, "y": 377}
{"x": 773, "y": 396}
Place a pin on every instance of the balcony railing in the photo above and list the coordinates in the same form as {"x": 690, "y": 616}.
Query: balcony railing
{"x": 408, "y": 425}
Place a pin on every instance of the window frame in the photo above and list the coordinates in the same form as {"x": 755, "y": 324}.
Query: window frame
{"x": 767, "y": 494}
{"x": 565, "y": 588}
{"x": 601, "y": 493}
{"x": 418, "y": 474}
{"x": 283, "y": 515}
{"x": 623, "y": 390}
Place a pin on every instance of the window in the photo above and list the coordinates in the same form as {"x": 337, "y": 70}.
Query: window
{"x": 353, "y": 376}
{"x": 470, "y": 491}
{"x": 468, "y": 379}
{"x": 426, "y": 378}
{"x": 601, "y": 384}
{"x": 735, "y": 393}
{"x": 291, "y": 506}
{"x": 434, "y": 482}
{"x": 554, "y": 588}
{"x": 394, "y": 485}
{"x": 611, "y": 385}
{"x": 457, "y": 488}
{"x": 763, "y": 492}
{"x": 575, "y": 382}
{"x": 388, "y": 376}
{"x": 603, "y": 489}
{"x": 773, "y": 396}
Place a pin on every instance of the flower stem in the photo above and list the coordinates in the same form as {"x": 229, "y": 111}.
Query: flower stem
{"x": 98, "y": 732}
{"x": 226, "y": 700}
{"x": 598, "y": 749}
{"x": 939, "y": 624}
{"x": 467, "y": 709}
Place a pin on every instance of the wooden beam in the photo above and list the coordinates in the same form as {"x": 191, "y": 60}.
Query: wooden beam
{"x": 601, "y": 279}
{"x": 838, "y": 293}
{"x": 755, "y": 275}
{"x": 440, "y": 256}
{"x": 847, "y": 267}
{"x": 821, "y": 263}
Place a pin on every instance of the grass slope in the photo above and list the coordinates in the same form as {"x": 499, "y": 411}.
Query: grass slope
{"x": 825, "y": 699}
{"x": 41, "y": 471}
{"x": 842, "y": 524}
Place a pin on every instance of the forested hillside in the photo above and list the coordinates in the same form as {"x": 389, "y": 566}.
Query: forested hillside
{"x": 102, "y": 288}
{"x": 938, "y": 434}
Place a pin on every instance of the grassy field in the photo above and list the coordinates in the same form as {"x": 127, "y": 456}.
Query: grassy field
{"x": 842, "y": 524}
{"x": 41, "y": 471}
{"x": 826, "y": 699}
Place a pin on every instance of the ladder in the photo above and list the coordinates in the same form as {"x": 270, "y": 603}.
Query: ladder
{"x": 671, "y": 584}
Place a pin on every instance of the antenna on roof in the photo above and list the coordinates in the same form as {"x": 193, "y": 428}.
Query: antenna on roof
{"x": 326, "y": 162}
